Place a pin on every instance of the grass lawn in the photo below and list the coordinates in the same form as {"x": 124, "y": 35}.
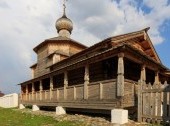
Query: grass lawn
{"x": 10, "y": 117}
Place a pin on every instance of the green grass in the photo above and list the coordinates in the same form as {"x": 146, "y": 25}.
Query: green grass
{"x": 10, "y": 117}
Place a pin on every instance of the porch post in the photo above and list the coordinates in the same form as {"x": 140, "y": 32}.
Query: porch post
{"x": 86, "y": 81}
{"x": 65, "y": 84}
{"x": 51, "y": 88}
{"x": 143, "y": 74}
{"x": 140, "y": 86}
{"x": 41, "y": 89}
{"x": 156, "y": 77}
{"x": 120, "y": 75}
{"x": 33, "y": 90}
{"x": 27, "y": 92}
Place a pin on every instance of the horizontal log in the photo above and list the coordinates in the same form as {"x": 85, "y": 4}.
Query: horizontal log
{"x": 79, "y": 104}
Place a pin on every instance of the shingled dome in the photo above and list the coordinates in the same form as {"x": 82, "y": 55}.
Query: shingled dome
{"x": 64, "y": 23}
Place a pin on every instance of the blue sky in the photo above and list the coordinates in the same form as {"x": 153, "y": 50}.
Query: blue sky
{"x": 163, "y": 49}
{"x": 26, "y": 23}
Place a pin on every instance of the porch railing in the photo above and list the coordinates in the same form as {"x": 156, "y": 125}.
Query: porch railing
{"x": 96, "y": 91}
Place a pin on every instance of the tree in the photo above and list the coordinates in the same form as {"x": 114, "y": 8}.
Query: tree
{"x": 1, "y": 94}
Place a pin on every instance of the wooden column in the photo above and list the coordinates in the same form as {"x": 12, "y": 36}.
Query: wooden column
{"x": 140, "y": 101}
{"x": 120, "y": 75}
{"x": 143, "y": 74}
{"x": 33, "y": 91}
{"x": 27, "y": 92}
{"x": 65, "y": 84}
{"x": 41, "y": 89}
{"x": 51, "y": 88}
{"x": 156, "y": 78}
{"x": 141, "y": 82}
{"x": 86, "y": 81}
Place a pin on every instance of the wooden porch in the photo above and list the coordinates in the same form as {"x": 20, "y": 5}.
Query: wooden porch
{"x": 105, "y": 81}
{"x": 101, "y": 95}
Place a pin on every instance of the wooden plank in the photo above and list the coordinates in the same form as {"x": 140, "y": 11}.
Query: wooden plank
{"x": 152, "y": 90}
{"x": 164, "y": 105}
{"x": 75, "y": 95}
{"x": 79, "y": 104}
{"x": 58, "y": 94}
{"x": 153, "y": 104}
{"x": 109, "y": 90}
{"x": 139, "y": 101}
{"x": 151, "y": 116}
{"x": 94, "y": 91}
{"x": 79, "y": 92}
{"x": 65, "y": 85}
{"x": 61, "y": 94}
{"x": 159, "y": 104}
{"x": 101, "y": 91}
{"x": 70, "y": 93}
{"x": 51, "y": 87}
{"x": 154, "y": 101}
{"x": 149, "y": 101}
{"x": 144, "y": 105}
{"x": 86, "y": 82}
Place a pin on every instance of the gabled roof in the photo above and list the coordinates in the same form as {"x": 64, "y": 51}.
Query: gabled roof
{"x": 139, "y": 39}
{"x": 151, "y": 50}
{"x": 58, "y": 40}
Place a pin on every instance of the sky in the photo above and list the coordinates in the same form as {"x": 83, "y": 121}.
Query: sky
{"x": 26, "y": 23}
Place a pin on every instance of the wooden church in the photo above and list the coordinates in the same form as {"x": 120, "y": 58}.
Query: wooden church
{"x": 101, "y": 77}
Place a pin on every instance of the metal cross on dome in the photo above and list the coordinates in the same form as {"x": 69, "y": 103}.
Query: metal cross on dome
{"x": 64, "y": 6}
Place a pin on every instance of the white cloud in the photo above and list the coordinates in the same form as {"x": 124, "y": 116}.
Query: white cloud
{"x": 107, "y": 19}
{"x": 24, "y": 24}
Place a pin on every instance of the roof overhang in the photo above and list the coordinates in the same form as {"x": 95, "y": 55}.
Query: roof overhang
{"x": 34, "y": 65}
{"x": 59, "y": 40}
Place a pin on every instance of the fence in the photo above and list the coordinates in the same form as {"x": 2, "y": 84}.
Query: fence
{"x": 154, "y": 103}
{"x": 9, "y": 101}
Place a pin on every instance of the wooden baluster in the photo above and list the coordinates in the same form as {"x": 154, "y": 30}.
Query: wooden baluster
{"x": 75, "y": 93}
{"x": 101, "y": 91}
{"x": 51, "y": 88}
{"x": 58, "y": 95}
{"x": 86, "y": 81}
{"x": 165, "y": 101}
{"x": 159, "y": 104}
{"x": 27, "y": 93}
{"x": 33, "y": 91}
{"x": 65, "y": 84}
{"x": 41, "y": 89}
{"x": 139, "y": 101}
{"x": 154, "y": 103}
{"x": 150, "y": 100}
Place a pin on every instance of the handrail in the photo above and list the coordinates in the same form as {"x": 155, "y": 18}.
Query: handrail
{"x": 77, "y": 85}
{"x": 81, "y": 85}
{"x": 62, "y": 88}
{"x": 103, "y": 82}
{"x": 127, "y": 80}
